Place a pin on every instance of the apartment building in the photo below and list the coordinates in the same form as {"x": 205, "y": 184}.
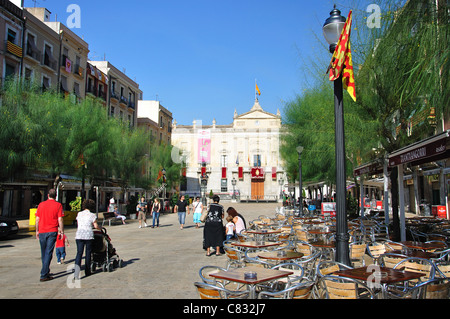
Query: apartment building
{"x": 123, "y": 92}
{"x": 41, "y": 52}
{"x": 72, "y": 57}
{"x": 97, "y": 84}
{"x": 11, "y": 44}
{"x": 157, "y": 113}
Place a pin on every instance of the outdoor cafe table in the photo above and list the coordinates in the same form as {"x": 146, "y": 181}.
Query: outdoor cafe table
{"x": 275, "y": 255}
{"x": 261, "y": 233}
{"x": 255, "y": 244}
{"x": 262, "y": 275}
{"x": 415, "y": 253}
{"x": 322, "y": 231}
{"x": 422, "y": 246}
{"x": 391, "y": 276}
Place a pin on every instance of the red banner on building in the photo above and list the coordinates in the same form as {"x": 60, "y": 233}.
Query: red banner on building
{"x": 224, "y": 172}
{"x": 257, "y": 173}
{"x": 241, "y": 172}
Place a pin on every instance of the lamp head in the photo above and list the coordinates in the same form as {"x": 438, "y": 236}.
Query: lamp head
{"x": 332, "y": 28}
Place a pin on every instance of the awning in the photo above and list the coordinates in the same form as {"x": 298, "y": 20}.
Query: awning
{"x": 431, "y": 149}
{"x": 371, "y": 168}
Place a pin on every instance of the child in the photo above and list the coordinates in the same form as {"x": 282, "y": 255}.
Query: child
{"x": 230, "y": 227}
{"x": 61, "y": 240}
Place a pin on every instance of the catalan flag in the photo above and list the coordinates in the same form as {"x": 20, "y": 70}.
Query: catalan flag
{"x": 341, "y": 62}
{"x": 257, "y": 89}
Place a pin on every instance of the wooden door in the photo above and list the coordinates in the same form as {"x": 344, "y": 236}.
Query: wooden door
{"x": 257, "y": 189}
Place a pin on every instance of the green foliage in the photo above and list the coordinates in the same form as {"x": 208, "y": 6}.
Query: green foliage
{"x": 43, "y": 132}
{"x": 75, "y": 205}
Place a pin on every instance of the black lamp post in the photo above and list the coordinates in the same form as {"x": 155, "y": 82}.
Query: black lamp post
{"x": 300, "y": 197}
{"x": 332, "y": 29}
{"x": 233, "y": 182}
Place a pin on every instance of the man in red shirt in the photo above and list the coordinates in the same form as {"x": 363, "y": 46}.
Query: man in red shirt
{"x": 49, "y": 225}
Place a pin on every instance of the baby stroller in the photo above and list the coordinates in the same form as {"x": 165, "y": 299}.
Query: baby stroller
{"x": 103, "y": 253}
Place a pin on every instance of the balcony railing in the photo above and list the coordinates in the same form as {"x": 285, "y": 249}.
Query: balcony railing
{"x": 123, "y": 100}
{"x": 114, "y": 95}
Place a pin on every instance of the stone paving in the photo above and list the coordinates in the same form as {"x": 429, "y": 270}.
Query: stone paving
{"x": 158, "y": 263}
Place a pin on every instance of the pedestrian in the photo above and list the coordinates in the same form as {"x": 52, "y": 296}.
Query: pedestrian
{"x": 84, "y": 236}
{"x": 49, "y": 224}
{"x": 156, "y": 210}
{"x": 213, "y": 232}
{"x": 61, "y": 242}
{"x": 119, "y": 215}
{"x": 198, "y": 209}
{"x": 111, "y": 205}
{"x": 238, "y": 220}
{"x": 141, "y": 209}
{"x": 230, "y": 227}
{"x": 181, "y": 207}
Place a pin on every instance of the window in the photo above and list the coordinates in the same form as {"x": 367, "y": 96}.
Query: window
{"x": 45, "y": 83}
{"x": 223, "y": 185}
{"x": 257, "y": 160}
{"x": 11, "y": 36}
{"x": 223, "y": 161}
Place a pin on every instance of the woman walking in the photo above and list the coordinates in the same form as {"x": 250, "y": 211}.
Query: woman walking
{"x": 85, "y": 236}
{"x": 213, "y": 231}
{"x": 198, "y": 209}
{"x": 156, "y": 210}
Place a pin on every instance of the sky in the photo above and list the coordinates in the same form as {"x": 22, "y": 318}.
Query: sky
{"x": 201, "y": 58}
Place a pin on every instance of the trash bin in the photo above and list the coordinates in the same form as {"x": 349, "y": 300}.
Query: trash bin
{"x": 32, "y": 218}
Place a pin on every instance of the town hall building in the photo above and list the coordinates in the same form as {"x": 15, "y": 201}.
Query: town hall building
{"x": 241, "y": 158}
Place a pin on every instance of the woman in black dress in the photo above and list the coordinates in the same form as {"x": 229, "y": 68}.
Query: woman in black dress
{"x": 213, "y": 232}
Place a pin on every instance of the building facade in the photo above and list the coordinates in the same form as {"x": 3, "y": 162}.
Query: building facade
{"x": 157, "y": 120}
{"x": 242, "y": 158}
{"x": 123, "y": 92}
{"x": 62, "y": 52}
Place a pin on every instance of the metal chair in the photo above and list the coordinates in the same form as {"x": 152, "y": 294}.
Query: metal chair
{"x": 337, "y": 287}
{"x": 209, "y": 291}
{"x": 206, "y": 271}
{"x": 324, "y": 268}
{"x": 357, "y": 253}
{"x": 391, "y": 259}
{"x": 392, "y": 245}
{"x": 437, "y": 288}
{"x": 295, "y": 278}
{"x": 251, "y": 254}
{"x": 301, "y": 290}
{"x": 309, "y": 264}
{"x": 375, "y": 250}
{"x": 234, "y": 256}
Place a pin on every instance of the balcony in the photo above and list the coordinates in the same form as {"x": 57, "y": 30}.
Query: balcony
{"x": 78, "y": 71}
{"x": 33, "y": 52}
{"x": 132, "y": 105}
{"x": 114, "y": 95}
{"x": 49, "y": 61}
{"x": 123, "y": 100}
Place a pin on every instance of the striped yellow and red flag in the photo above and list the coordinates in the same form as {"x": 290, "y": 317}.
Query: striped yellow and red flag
{"x": 341, "y": 62}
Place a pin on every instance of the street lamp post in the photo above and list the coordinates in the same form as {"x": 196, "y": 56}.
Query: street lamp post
{"x": 300, "y": 201}
{"x": 203, "y": 183}
{"x": 233, "y": 182}
{"x": 332, "y": 29}
{"x": 281, "y": 182}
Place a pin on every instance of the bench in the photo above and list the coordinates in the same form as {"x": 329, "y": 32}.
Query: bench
{"x": 110, "y": 217}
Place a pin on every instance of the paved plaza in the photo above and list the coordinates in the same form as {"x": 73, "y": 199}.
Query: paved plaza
{"x": 158, "y": 263}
